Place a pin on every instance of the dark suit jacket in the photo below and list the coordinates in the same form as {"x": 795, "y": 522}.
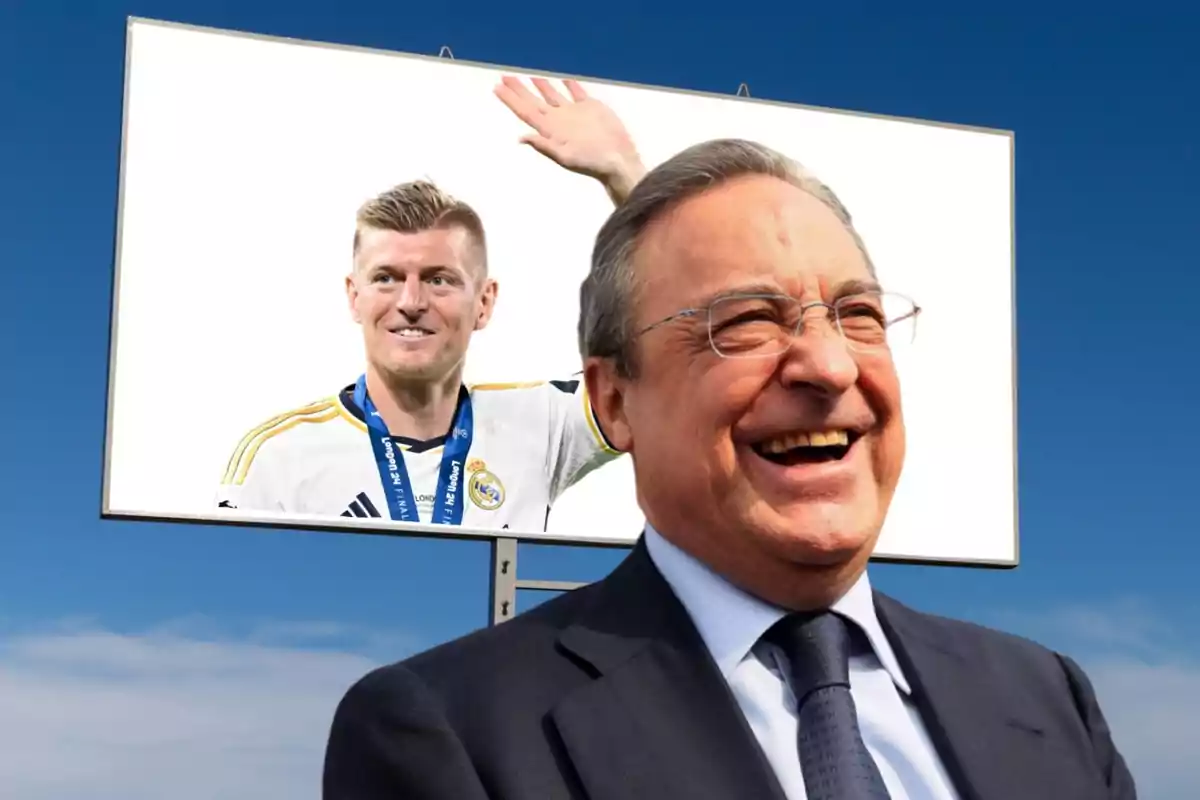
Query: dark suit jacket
{"x": 608, "y": 693}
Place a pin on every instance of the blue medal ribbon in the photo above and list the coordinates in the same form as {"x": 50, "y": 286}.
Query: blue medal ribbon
{"x": 397, "y": 488}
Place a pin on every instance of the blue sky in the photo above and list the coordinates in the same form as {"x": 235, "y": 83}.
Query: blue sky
{"x": 137, "y": 656}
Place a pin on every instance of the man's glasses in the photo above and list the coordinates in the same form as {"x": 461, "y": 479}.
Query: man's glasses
{"x": 764, "y": 325}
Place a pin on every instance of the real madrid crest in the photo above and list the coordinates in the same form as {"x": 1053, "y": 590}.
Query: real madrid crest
{"x": 484, "y": 488}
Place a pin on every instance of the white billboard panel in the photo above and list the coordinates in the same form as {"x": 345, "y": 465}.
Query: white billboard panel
{"x": 245, "y": 159}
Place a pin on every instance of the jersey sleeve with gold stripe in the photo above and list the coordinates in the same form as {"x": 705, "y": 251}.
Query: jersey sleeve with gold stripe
{"x": 581, "y": 446}
{"x": 257, "y": 475}
{"x": 575, "y": 444}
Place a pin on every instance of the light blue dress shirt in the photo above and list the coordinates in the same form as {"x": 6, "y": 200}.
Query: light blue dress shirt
{"x": 731, "y": 622}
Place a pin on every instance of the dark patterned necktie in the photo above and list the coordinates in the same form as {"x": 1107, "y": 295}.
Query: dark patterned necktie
{"x": 833, "y": 759}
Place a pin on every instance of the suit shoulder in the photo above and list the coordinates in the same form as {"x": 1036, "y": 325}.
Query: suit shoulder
{"x": 494, "y": 654}
{"x": 280, "y": 431}
{"x": 380, "y": 686}
{"x": 1028, "y": 667}
{"x": 982, "y": 635}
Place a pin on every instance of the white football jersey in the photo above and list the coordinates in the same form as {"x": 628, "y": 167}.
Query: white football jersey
{"x": 532, "y": 441}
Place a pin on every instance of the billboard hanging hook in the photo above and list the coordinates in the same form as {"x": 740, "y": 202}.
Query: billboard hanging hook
{"x": 445, "y": 52}
{"x": 743, "y": 90}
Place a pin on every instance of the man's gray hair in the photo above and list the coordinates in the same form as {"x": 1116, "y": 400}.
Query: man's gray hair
{"x": 608, "y": 294}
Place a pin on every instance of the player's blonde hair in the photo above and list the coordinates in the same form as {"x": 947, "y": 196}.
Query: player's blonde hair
{"x": 418, "y": 206}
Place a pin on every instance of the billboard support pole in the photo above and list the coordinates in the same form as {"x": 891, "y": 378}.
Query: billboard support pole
{"x": 504, "y": 582}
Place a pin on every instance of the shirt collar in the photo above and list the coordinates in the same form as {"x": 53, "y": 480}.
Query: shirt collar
{"x": 731, "y": 621}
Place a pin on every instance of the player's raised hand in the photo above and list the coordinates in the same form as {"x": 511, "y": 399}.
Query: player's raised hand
{"x": 577, "y": 132}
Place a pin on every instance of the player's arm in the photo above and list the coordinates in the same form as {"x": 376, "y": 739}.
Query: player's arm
{"x": 578, "y": 444}
{"x": 579, "y": 133}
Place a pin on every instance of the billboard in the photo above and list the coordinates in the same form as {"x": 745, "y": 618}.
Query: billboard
{"x": 245, "y": 322}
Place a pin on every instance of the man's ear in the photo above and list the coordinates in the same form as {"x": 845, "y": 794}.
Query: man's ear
{"x": 352, "y": 298}
{"x": 487, "y": 303}
{"x": 608, "y": 394}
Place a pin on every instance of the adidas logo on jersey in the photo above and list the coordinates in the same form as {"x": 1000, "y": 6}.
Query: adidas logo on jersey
{"x": 361, "y": 506}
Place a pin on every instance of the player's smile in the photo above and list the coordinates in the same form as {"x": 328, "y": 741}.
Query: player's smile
{"x": 411, "y": 332}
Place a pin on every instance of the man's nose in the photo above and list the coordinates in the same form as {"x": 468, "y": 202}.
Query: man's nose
{"x": 411, "y": 297}
{"x": 819, "y": 357}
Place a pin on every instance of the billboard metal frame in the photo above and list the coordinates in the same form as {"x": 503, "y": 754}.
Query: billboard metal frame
{"x": 504, "y": 581}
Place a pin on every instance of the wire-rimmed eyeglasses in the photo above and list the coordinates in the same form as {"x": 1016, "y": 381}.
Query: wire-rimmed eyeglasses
{"x": 764, "y": 325}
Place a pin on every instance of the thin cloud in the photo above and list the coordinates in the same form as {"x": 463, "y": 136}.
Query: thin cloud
{"x": 1120, "y": 626}
{"x": 108, "y": 716}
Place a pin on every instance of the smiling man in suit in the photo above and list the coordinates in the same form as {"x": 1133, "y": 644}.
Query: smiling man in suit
{"x": 738, "y": 347}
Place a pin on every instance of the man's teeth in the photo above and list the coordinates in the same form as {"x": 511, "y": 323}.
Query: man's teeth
{"x": 411, "y": 332}
{"x": 816, "y": 439}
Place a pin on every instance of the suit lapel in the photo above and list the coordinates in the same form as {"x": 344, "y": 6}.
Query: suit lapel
{"x": 659, "y": 720}
{"x": 993, "y": 746}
